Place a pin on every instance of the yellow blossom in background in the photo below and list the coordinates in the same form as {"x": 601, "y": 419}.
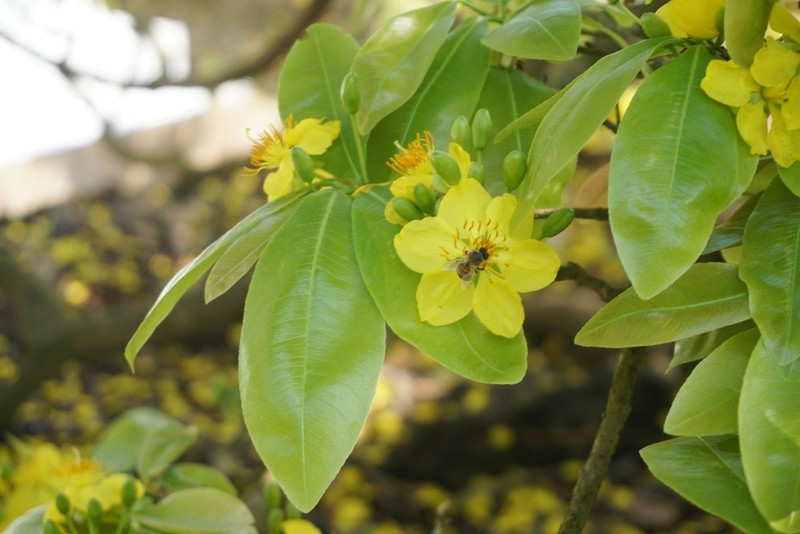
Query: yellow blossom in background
{"x": 469, "y": 261}
{"x": 692, "y": 18}
{"x": 272, "y": 150}
{"x": 782, "y": 21}
{"x": 299, "y": 526}
{"x": 767, "y": 96}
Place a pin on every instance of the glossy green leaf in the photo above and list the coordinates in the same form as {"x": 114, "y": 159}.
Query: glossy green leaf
{"x": 189, "y": 274}
{"x": 242, "y": 254}
{"x": 199, "y": 510}
{"x": 698, "y": 347}
{"x": 465, "y": 347}
{"x": 676, "y": 165}
{"x": 393, "y": 62}
{"x": 163, "y": 447}
{"x": 770, "y": 267}
{"x": 725, "y": 236}
{"x": 791, "y": 177}
{"x": 547, "y": 29}
{"x": 575, "y": 116}
{"x": 708, "y": 473}
{"x": 312, "y": 346}
{"x": 450, "y": 88}
{"x": 745, "y": 24}
{"x": 770, "y": 437}
{"x": 309, "y": 85}
{"x": 706, "y": 297}
{"x": 507, "y": 94}
{"x": 707, "y": 403}
{"x": 188, "y": 475}
{"x": 121, "y": 446}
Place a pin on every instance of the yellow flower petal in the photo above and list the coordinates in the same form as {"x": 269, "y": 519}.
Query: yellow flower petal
{"x": 696, "y": 18}
{"x": 774, "y": 64}
{"x": 783, "y": 143}
{"x": 427, "y": 244}
{"x": 791, "y": 107}
{"x": 281, "y": 182}
{"x": 404, "y": 185}
{"x": 751, "y": 120}
{"x": 782, "y": 21}
{"x": 392, "y": 216}
{"x": 498, "y": 306}
{"x": 299, "y": 526}
{"x": 462, "y": 158}
{"x": 442, "y": 298}
{"x": 500, "y": 210}
{"x": 528, "y": 265}
{"x": 727, "y": 82}
{"x": 312, "y": 135}
{"x": 466, "y": 201}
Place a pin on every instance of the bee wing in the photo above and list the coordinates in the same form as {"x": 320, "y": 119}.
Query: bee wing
{"x": 452, "y": 265}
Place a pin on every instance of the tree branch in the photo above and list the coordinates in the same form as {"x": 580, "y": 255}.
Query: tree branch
{"x": 576, "y": 273}
{"x": 597, "y": 214}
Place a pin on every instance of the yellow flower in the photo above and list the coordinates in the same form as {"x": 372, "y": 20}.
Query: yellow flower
{"x": 767, "y": 96}
{"x": 470, "y": 262}
{"x": 692, "y": 18}
{"x": 782, "y": 21}
{"x": 272, "y": 150}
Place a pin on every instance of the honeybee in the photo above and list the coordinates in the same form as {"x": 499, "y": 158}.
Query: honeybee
{"x": 470, "y": 263}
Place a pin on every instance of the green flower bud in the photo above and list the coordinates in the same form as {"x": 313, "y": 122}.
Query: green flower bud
{"x": 514, "y": 167}
{"x": 481, "y": 128}
{"x": 291, "y": 511}
{"x": 274, "y": 520}
{"x": 654, "y": 26}
{"x": 303, "y": 165}
{"x": 95, "y": 511}
{"x": 51, "y": 528}
{"x": 351, "y": 93}
{"x": 128, "y": 492}
{"x": 406, "y": 209}
{"x": 424, "y": 198}
{"x": 62, "y": 503}
{"x": 439, "y": 184}
{"x": 477, "y": 171}
{"x": 557, "y": 222}
{"x": 446, "y": 167}
{"x": 719, "y": 22}
{"x": 273, "y": 495}
{"x": 460, "y": 132}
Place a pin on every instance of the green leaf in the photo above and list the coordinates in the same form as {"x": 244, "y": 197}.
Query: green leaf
{"x": 392, "y": 63}
{"x": 465, "y": 347}
{"x": 698, "y": 347}
{"x": 29, "y": 523}
{"x": 240, "y": 256}
{"x": 507, "y": 93}
{"x": 311, "y": 350}
{"x": 745, "y": 24}
{"x": 309, "y": 85}
{"x": 575, "y": 116}
{"x": 121, "y": 445}
{"x": 708, "y": 296}
{"x": 707, "y": 403}
{"x": 187, "y": 475}
{"x": 671, "y": 173}
{"x": 162, "y": 448}
{"x": 770, "y": 437}
{"x": 708, "y": 473}
{"x": 189, "y": 274}
{"x": 548, "y": 29}
{"x": 198, "y": 510}
{"x": 791, "y": 177}
{"x": 770, "y": 267}
{"x": 451, "y": 88}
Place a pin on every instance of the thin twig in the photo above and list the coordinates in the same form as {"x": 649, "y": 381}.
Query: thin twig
{"x": 576, "y": 273}
{"x": 597, "y": 214}
{"x": 618, "y": 407}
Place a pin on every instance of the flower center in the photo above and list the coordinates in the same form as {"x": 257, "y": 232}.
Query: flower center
{"x": 268, "y": 151}
{"x": 418, "y": 152}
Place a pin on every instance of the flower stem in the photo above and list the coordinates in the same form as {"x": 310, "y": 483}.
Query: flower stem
{"x": 362, "y": 160}
{"x": 597, "y": 214}
{"x": 618, "y": 407}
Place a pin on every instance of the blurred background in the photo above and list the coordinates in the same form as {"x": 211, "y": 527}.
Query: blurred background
{"x": 123, "y": 133}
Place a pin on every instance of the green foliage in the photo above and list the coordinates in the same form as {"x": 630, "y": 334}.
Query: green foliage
{"x": 207, "y": 510}
{"x": 745, "y": 23}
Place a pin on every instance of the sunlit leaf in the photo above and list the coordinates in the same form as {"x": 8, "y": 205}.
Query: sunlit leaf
{"x": 163, "y": 447}
{"x": 698, "y": 347}
{"x": 311, "y": 348}
{"x": 198, "y": 510}
{"x": 191, "y": 475}
{"x": 791, "y": 178}
{"x": 708, "y": 296}
{"x": 29, "y": 523}
{"x": 465, "y": 347}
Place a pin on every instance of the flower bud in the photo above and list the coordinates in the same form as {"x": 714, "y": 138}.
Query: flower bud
{"x": 557, "y": 222}
{"x": 351, "y": 93}
{"x": 481, "y": 128}
{"x": 424, "y": 198}
{"x": 272, "y": 495}
{"x": 51, "y": 528}
{"x": 94, "y": 511}
{"x": 128, "y": 493}
{"x": 439, "y": 184}
{"x": 460, "y": 132}
{"x": 654, "y": 26}
{"x": 406, "y": 209}
{"x": 291, "y": 511}
{"x": 514, "y": 167}
{"x": 62, "y": 503}
{"x": 303, "y": 165}
{"x": 446, "y": 167}
{"x": 274, "y": 520}
{"x": 477, "y": 171}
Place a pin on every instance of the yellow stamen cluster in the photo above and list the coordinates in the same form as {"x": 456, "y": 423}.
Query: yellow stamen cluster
{"x": 418, "y": 152}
